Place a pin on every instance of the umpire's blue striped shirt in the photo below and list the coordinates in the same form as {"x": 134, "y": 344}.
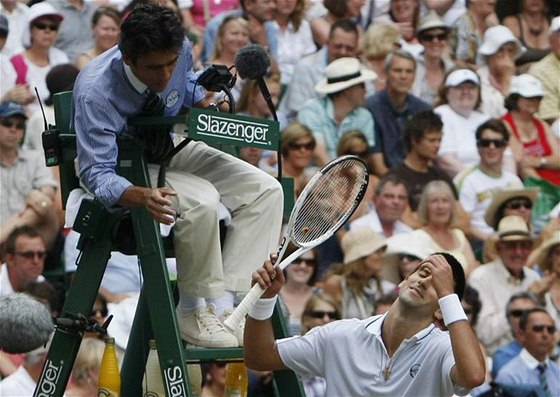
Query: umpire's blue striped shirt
{"x": 105, "y": 95}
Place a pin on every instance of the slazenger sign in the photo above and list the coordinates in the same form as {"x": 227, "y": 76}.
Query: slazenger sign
{"x": 226, "y": 128}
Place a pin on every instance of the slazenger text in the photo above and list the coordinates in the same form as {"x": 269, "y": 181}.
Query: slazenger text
{"x": 234, "y": 129}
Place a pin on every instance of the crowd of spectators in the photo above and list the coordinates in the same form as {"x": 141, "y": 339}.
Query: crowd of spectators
{"x": 453, "y": 104}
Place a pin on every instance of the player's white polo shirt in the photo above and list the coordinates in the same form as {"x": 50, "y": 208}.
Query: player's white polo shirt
{"x": 351, "y": 356}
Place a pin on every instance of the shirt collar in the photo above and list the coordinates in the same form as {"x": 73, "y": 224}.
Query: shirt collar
{"x": 530, "y": 361}
{"x": 374, "y": 324}
{"x": 136, "y": 83}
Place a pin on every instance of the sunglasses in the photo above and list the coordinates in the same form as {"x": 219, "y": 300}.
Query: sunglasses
{"x": 298, "y": 146}
{"x": 517, "y": 312}
{"x": 103, "y": 312}
{"x": 308, "y": 262}
{"x": 44, "y": 26}
{"x": 551, "y": 329}
{"x": 518, "y": 203}
{"x": 499, "y": 143}
{"x": 32, "y": 254}
{"x": 20, "y": 125}
{"x": 322, "y": 313}
{"x": 431, "y": 37}
{"x": 409, "y": 258}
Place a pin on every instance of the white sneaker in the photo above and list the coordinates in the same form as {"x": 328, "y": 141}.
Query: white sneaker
{"x": 203, "y": 328}
{"x": 238, "y": 332}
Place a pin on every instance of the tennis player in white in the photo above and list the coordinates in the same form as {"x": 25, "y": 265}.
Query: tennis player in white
{"x": 400, "y": 353}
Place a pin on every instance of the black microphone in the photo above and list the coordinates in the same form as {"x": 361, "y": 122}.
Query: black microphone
{"x": 25, "y": 323}
{"x": 252, "y": 62}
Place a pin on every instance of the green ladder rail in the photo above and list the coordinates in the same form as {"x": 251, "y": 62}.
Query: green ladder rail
{"x": 155, "y": 316}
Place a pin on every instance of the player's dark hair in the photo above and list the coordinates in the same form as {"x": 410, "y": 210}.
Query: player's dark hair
{"x": 458, "y": 273}
{"x": 150, "y": 28}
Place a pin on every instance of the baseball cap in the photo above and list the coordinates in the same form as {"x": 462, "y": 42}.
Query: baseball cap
{"x": 497, "y": 36}
{"x": 8, "y": 109}
{"x": 460, "y": 76}
{"x": 527, "y": 86}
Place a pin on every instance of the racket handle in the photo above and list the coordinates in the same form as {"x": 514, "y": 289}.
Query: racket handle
{"x": 233, "y": 321}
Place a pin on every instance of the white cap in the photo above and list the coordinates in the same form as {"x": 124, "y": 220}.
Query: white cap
{"x": 460, "y": 76}
{"x": 527, "y": 86}
{"x": 497, "y": 36}
{"x": 554, "y": 25}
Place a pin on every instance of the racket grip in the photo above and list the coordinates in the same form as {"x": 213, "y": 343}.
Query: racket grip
{"x": 233, "y": 321}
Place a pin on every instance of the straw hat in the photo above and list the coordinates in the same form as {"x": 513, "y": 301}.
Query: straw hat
{"x": 497, "y": 36}
{"x": 343, "y": 73}
{"x": 540, "y": 256}
{"x": 359, "y": 243}
{"x": 401, "y": 244}
{"x": 500, "y": 197}
{"x": 431, "y": 21}
{"x": 513, "y": 228}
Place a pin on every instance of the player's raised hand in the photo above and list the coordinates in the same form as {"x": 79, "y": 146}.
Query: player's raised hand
{"x": 442, "y": 275}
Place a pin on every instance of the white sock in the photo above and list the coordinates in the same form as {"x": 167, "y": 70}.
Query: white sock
{"x": 223, "y": 302}
{"x": 188, "y": 303}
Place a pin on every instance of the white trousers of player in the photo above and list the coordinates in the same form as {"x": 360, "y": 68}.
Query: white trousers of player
{"x": 203, "y": 176}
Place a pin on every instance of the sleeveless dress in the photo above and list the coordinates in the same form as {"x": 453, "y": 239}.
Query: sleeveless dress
{"x": 536, "y": 147}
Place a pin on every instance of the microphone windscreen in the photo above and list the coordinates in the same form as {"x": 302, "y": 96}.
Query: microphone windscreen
{"x": 25, "y": 323}
{"x": 252, "y": 62}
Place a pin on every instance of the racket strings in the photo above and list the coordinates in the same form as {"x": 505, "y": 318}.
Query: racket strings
{"x": 330, "y": 201}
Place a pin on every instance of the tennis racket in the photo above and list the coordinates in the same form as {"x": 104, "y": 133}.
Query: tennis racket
{"x": 324, "y": 205}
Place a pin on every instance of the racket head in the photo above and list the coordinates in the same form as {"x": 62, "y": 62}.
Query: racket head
{"x": 327, "y": 201}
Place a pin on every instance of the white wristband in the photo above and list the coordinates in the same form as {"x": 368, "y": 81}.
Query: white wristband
{"x": 263, "y": 308}
{"x": 451, "y": 309}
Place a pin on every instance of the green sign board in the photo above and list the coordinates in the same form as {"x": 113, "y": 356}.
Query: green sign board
{"x": 232, "y": 129}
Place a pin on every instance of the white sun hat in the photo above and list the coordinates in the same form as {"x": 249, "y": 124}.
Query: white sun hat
{"x": 343, "y": 73}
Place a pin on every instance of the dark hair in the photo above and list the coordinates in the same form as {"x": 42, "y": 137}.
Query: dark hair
{"x": 420, "y": 124}
{"x": 150, "y": 28}
{"x": 389, "y": 178}
{"x": 28, "y": 231}
{"x": 510, "y": 102}
{"x": 338, "y": 8}
{"x": 44, "y": 292}
{"x": 524, "y": 319}
{"x": 59, "y": 79}
{"x": 525, "y": 295}
{"x": 346, "y": 25}
{"x": 473, "y": 299}
{"x": 458, "y": 273}
{"x": 495, "y": 125}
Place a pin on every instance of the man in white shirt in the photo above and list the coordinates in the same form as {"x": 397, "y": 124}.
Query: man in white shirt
{"x": 25, "y": 260}
{"x": 477, "y": 185}
{"x": 498, "y": 280}
{"x": 400, "y": 353}
{"x": 390, "y": 202}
